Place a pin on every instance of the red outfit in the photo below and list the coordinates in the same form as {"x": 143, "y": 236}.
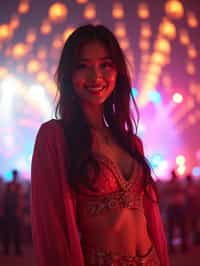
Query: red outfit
{"x": 55, "y": 207}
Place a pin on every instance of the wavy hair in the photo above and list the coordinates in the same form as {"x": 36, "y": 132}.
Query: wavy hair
{"x": 117, "y": 113}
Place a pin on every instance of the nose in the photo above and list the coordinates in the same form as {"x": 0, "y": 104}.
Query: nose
{"x": 95, "y": 73}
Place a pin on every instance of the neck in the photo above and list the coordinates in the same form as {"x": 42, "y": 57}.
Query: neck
{"x": 94, "y": 116}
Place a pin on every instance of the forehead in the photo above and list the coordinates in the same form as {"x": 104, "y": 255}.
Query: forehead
{"x": 93, "y": 51}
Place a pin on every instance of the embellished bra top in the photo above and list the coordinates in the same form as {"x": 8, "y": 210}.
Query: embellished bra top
{"x": 111, "y": 189}
{"x": 111, "y": 209}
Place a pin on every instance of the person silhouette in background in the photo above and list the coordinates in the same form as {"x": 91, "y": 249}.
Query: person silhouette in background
{"x": 12, "y": 209}
{"x": 176, "y": 211}
{"x": 193, "y": 207}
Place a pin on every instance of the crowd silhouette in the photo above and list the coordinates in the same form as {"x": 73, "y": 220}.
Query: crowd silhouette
{"x": 179, "y": 205}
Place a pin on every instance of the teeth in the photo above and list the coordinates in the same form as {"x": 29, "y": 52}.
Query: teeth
{"x": 95, "y": 88}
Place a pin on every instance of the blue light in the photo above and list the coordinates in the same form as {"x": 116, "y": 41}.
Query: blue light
{"x": 156, "y": 159}
{"x": 196, "y": 171}
{"x": 8, "y": 176}
{"x": 154, "y": 96}
{"x": 134, "y": 92}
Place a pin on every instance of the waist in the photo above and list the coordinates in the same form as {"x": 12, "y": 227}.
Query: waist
{"x": 110, "y": 258}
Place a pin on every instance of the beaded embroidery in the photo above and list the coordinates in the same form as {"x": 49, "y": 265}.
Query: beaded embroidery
{"x": 106, "y": 258}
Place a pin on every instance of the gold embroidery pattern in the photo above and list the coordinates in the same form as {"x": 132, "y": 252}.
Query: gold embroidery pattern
{"x": 123, "y": 199}
{"x": 106, "y": 258}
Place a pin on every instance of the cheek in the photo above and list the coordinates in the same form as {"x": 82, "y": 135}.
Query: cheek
{"x": 77, "y": 81}
{"x": 112, "y": 77}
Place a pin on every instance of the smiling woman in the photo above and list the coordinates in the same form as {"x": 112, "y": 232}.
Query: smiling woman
{"x": 93, "y": 198}
{"x": 95, "y": 75}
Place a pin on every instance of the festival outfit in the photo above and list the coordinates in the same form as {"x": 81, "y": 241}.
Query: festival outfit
{"x": 93, "y": 225}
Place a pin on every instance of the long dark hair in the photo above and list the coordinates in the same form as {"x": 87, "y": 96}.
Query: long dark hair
{"x": 117, "y": 114}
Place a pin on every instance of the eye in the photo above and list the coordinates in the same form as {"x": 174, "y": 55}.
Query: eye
{"x": 81, "y": 66}
{"x": 107, "y": 64}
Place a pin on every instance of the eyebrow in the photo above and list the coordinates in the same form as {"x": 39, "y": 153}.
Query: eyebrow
{"x": 101, "y": 58}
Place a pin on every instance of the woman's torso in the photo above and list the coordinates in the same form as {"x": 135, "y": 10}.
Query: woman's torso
{"x": 110, "y": 212}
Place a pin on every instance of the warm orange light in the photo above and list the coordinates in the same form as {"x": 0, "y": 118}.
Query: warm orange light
{"x": 184, "y": 37}
{"x": 68, "y": 32}
{"x": 57, "y": 42}
{"x": 154, "y": 69}
{"x": 162, "y": 45}
{"x": 192, "y": 52}
{"x": 190, "y": 68}
{"x": 46, "y": 27}
{"x": 90, "y": 11}
{"x": 33, "y": 66}
{"x": 19, "y": 50}
{"x": 192, "y": 20}
{"x": 23, "y": 7}
{"x": 124, "y": 43}
{"x": 5, "y": 32}
{"x": 174, "y": 9}
{"x": 146, "y": 30}
{"x": 177, "y": 97}
{"x": 118, "y": 11}
{"x": 58, "y": 12}
{"x": 167, "y": 29}
{"x": 31, "y": 36}
{"x": 42, "y": 76}
{"x": 81, "y": 1}
{"x": 144, "y": 44}
{"x": 14, "y": 22}
{"x": 158, "y": 58}
{"x": 143, "y": 11}
{"x": 120, "y": 30}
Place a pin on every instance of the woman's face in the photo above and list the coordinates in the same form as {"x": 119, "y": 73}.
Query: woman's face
{"x": 95, "y": 74}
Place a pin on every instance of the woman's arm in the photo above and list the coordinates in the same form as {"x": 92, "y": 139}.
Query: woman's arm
{"x": 51, "y": 236}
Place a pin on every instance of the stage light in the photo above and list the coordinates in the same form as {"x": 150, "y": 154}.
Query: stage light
{"x": 167, "y": 29}
{"x": 146, "y": 30}
{"x": 181, "y": 169}
{"x": 196, "y": 171}
{"x": 154, "y": 96}
{"x": 5, "y": 32}
{"x": 156, "y": 159}
{"x": 174, "y": 9}
{"x": 180, "y": 159}
{"x": 117, "y": 11}
{"x": 46, "y": 27}
{"x": 162, "y": 45}
{"x": 177, "y": 97}
{"x": 23, "y": 7}
{"x": 36, "y": 92}
{"x": 192, "y": 20}
{"x": 58, "y": 12}
{"x": 19, "y": 50}
{"x": 14, "y": 22}
{"x": 90, "y": 11}
{"x": 143, "y": 11}
{"x": 134, "y": 92}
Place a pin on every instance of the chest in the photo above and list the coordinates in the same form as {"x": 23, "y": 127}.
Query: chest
{"x": 120, "y": 158}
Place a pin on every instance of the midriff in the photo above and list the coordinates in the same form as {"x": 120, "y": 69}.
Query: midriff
{"x": 122, "y": 231}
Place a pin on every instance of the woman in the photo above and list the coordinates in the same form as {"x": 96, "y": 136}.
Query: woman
{"x": 93, "y": 199}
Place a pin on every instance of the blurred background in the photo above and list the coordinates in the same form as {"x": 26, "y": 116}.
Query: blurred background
{"x": 161, "y": 40}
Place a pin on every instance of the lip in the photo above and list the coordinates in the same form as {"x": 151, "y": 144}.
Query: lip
{"x": 95, "y": 90}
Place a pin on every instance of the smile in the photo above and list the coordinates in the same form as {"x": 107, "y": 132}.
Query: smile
{"x": 96, "y": 90}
